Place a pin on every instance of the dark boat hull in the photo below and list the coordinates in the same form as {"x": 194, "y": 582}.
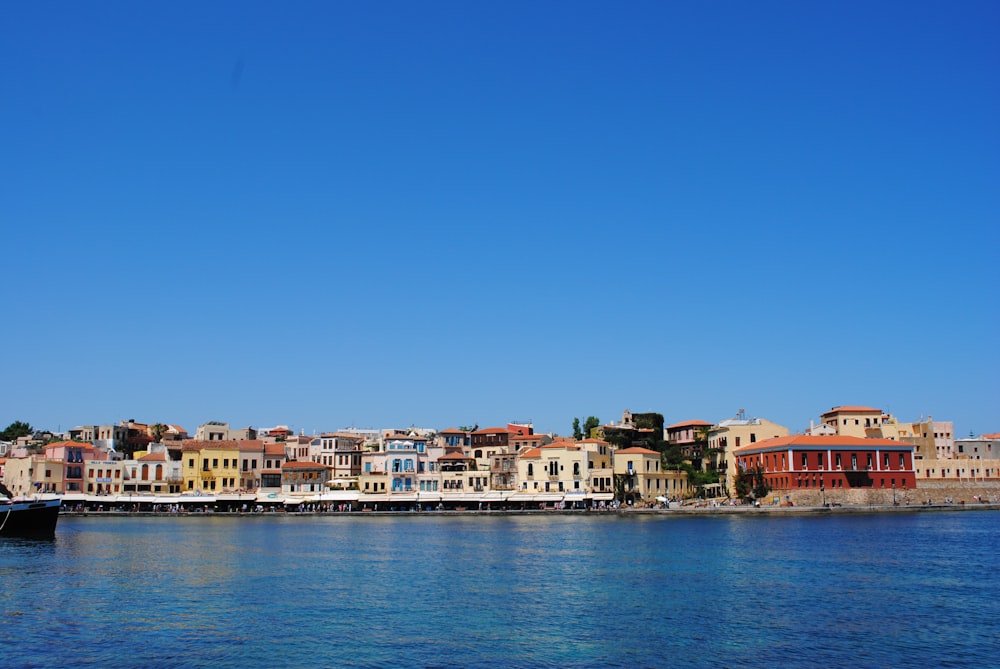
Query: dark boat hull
{"x": 29, "y": 519}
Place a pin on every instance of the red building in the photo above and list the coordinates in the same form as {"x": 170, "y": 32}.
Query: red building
{"x": 806, "y": 462}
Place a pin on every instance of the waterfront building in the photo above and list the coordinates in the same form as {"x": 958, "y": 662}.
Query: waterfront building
{"x": 274, "y": 457}
{"x": 153, "y": 472}
{"x": 303, "y": 476}
{"x": 858, "y": 421}
{"x": 691, "y": 436}
{"x": 342, "y": 452}
{"x": 219, "y": 431}
{"x": 251, "y": 463}
{"x": 557, "y": 467}
{"x": 728, "y": 435}
{"x": 487, "y": 443}
{"x": 111, "y": 438}
{"x": 830, "y": 462}
{"x": 453, "y": 438}
{"x": 641, "y": 478}
{"x": 210, "y": 465}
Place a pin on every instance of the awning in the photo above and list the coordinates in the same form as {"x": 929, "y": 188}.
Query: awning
{"x": 602, "y": 496}
{"x": 195, "y": 499}
{"x": 338, "y": 496}
{"x": 237, "y": 497}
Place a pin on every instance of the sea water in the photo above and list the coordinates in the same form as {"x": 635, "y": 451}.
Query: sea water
{"x": 543, "y": 590}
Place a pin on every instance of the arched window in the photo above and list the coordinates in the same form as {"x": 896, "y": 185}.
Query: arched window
{"x": 576, "y": 469}
{"x": 159, "y": 472}
{"x": 145, "y": 473}
{"x": 531, "y": 469}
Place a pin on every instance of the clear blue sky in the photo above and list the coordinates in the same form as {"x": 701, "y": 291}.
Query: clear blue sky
{"x": 442, "y": 213}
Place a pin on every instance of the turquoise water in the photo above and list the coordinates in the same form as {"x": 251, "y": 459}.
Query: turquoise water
{"x": 893, "y": 590}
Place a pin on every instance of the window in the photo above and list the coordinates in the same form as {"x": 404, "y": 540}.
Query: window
{"x": 902, "y": 461}
{"x": 191, "y": 463}
{"x": 531, "y": 469}
{"x": 805, "y": 461}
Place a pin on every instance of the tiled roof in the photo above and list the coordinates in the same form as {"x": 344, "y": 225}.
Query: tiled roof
{"x": 829, "y": 441}
{"x": 300, "y": 464}
{"x": 531, "y": 454}
{"x": 203, "y": 444}
{"x": 492, "y": 430}
{"x": 251, "y": 445}
{"x": 154, "y": 457}
{"x": 452, "y": 430}
{"x": 595, "y": 441}
{"x": 690, "y": 423}
{"x": 454, "y": 455}
{"x": 274, "y": 449}
{"x": 851, "y": 409}
{"x": 636, "y": 450}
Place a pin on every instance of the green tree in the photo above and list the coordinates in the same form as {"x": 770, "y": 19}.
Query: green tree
{"x": 15, "y": 430}
{"x": 589, "y": 425}
{"x": 577, "y": 432}
{"x": 743, "y": 484}
{"x": 157, "y": 431}
{"x": 760, "y": 487}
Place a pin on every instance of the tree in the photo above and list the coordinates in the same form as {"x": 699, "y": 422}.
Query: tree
{"x": 15, "y": 430}
{"x": 589, "y": 425}
{"x": 157, "y": 431}
{"x": 760, "y": 487}
{"x": 577, "y": 433}
{"x": 743, "y": 483}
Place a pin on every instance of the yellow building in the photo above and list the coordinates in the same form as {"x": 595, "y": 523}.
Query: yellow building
{"x": 210, "y": 466}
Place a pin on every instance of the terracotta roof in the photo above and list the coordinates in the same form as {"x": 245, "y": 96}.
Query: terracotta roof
{"x": 154, "y": 457}
{"x": 204, "y": 444}
{"x": 492, "y": 430}
{"x": 995, "y": 435}
{"x": 595, "y": 441}
{"x": 342, "y": 435}
{"x": 452, "y": 430}
{"x": 528, "y": 437}
{"x": 531, "y": 454}
{"x": 851, "y": 409}
{"x": 636, "y": 450}
{"x": 302, "y": 464}
{"x": 277, "y": 448}
{"x": 564, "y": 444}
{"x": 830, "y": 441}
{"x": 691, "y": 423}
{"x": 81, "y": 444}
{"x": 454, "y": 455}
{"x": 251, "y": 445}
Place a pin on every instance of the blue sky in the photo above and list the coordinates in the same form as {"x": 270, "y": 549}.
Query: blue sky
{"x": 443, "y": 213}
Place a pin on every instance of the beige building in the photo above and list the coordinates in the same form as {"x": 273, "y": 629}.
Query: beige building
{"x": 559, "y": 467}
{"x": 728, "y": 435}
{"x": 641, "y": 478}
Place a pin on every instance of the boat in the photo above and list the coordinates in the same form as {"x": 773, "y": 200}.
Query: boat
{"x": 29, "y": 517}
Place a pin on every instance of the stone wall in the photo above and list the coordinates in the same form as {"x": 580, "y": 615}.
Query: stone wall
{"x": 935, "y": 492}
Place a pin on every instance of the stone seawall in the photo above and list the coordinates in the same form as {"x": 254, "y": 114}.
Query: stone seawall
{"x": 933, "y": 492}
